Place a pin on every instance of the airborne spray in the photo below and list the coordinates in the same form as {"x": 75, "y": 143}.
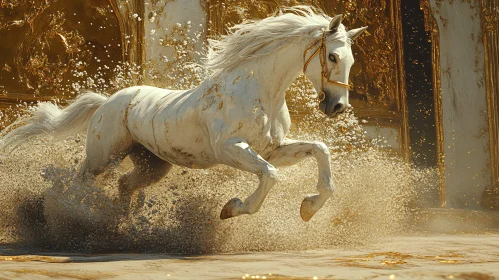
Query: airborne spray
{"x": 42, "y": 206}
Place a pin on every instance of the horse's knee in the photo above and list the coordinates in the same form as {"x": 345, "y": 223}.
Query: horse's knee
{"x": 320, "y": 148}
{"x": 270, "y": 176}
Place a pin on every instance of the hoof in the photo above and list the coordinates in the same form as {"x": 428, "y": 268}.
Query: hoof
{"x": 308, "y": 208}
{"x": 230, "y": 209}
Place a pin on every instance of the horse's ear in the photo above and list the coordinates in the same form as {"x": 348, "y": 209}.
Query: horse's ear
{"x": 335, "y": 23}
{"x": 354, "y": 33}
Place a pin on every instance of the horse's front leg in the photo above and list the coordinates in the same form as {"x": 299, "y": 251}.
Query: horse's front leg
{"x": 292, "y": 152}
{"x": 238, "y": 154}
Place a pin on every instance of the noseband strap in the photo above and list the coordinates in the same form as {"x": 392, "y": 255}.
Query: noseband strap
{"x": 324, "y": 69}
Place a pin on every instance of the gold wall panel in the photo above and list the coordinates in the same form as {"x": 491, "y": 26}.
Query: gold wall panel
{"x": 42, "y": 42}
{"x": 377, "y": 75}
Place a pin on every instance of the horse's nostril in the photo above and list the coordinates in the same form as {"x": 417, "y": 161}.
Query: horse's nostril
{"x": 338, "y": 108}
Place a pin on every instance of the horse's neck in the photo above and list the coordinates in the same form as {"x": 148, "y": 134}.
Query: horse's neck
{"x": 276, "y": 72}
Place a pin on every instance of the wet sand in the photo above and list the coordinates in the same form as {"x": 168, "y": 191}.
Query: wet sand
{"x": 464, "y": 256}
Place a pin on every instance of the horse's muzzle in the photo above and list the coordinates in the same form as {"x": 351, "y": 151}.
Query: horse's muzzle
{"x": 332, "y": 106}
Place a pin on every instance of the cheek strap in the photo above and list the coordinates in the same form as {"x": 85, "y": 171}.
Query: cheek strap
{"x": 324, "y": 69}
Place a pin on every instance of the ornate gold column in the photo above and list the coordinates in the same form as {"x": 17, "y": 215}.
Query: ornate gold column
{"x": 396, "y": 21}
{"x": 130, "y": 15}
{"x": 431, "y": 26}
{"x": 490, "y": 28}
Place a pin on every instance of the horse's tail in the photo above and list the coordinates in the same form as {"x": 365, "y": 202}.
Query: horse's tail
{"x": 48, "y": 120}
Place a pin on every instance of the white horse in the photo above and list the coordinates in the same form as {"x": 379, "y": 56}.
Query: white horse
{"x": 237, "y": 117}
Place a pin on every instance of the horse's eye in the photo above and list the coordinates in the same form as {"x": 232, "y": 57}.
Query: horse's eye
{"x": 332, "y": 58}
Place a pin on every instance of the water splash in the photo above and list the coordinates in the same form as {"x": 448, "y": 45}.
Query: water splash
{"x": 43, "y": 206}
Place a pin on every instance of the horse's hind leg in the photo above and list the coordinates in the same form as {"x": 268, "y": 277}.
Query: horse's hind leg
{"x": 148, "y": 169}
{"x": 108, "y": 141}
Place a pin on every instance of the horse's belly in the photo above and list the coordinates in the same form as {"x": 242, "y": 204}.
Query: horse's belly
{"x": 189, "y": 152}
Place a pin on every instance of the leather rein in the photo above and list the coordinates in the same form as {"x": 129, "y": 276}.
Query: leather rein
{"x": 324, "y": 68}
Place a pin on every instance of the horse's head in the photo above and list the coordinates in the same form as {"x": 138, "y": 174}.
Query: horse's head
{"x": 327, "y": 64}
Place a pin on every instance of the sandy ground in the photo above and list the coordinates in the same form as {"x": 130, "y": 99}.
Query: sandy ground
{"x": 469, "y": 256}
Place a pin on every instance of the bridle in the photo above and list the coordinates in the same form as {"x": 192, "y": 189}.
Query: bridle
{"x": 324, "y": 70}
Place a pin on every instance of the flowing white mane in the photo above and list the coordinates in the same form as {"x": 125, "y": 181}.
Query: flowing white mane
{"x": 252, "y": 39}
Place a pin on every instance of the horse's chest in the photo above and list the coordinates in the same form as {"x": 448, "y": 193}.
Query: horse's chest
{"x": 270, "y": 135}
